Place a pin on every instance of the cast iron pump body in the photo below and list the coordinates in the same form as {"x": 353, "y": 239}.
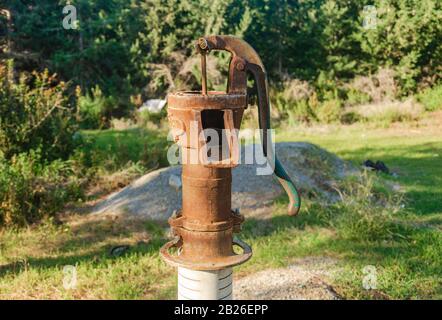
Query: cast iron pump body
{"x": 204, "y": 227}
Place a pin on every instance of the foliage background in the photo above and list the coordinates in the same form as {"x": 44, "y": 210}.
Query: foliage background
{"x": 71, "y": 132}
{"x": 139, "y": 46}
{"x": 323, "y": 66}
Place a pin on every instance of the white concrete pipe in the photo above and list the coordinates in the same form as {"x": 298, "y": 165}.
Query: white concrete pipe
{"x": 204, "y": 285}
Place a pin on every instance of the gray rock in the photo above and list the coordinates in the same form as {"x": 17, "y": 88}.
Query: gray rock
{"x": 150, "y": 196}
{"x": 175, "y": 181}
{"x": 313, "y": 169}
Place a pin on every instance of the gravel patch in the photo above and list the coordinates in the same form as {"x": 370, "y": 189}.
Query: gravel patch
{"x": 306, "y": 279}
{"x": 157, "y": 194}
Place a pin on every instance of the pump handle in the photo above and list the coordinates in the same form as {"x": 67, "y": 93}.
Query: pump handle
{"x": 244, "y": 58}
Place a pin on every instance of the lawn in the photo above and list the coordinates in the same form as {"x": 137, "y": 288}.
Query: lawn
{"x": 116, "y": 149}
{"x": 406, "y": 250}
{"x": 408, "y": 267}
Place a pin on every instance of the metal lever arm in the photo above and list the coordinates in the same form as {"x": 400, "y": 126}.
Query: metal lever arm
{"x": 264, "y": 123}
{"x": 244, "y": 58}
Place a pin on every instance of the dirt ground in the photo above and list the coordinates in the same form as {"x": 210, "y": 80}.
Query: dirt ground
{"x": 305, "y": 279}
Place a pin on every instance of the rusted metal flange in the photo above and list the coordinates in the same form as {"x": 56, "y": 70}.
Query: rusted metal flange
{"x": 216, "y": 263}
{"x": 213, "y": 100}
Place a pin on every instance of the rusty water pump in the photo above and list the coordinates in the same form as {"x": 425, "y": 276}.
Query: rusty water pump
{"x": 205, "y": 226}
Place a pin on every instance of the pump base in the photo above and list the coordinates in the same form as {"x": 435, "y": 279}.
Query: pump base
{"x": 204, "y": 285}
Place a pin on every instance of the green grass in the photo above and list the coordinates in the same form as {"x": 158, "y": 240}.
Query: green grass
{"x": 409, "y": 266}
{"x": 404, "y": 243}
{"x": 114, "y": 149}
{"x": 112, "y": 158}
{"x": 32, "y": 261}
{"x": 416, "y": 158}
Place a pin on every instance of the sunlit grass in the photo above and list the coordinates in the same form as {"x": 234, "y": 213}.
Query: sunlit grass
{"x": 400, "y": 236}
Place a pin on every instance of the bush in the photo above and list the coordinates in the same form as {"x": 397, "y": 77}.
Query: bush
{"x": 367, "y": 210}
{"x": 356, "y": 97}
{"x": 295, "y": 100}
{"x": 300, "y": 112}
{"x": 375, "y": 88}
{"x": 34, "y": 114}
{"x": 350, "y": 117}
{"x": 330, "y": 111}
{"x": 147, "y": 119}
{"x": 36, "y": 136}
{"x": 431, "y": 98}
{"x": 31, "y": 189}
{"x": 389, "y": 112}
{"x": 94, "y": 110}
{"x": 407, "y": 38}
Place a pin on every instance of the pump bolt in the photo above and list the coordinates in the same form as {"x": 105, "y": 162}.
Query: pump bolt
{"x": 240, "y": 66}
{"x": 203, "y": 43}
